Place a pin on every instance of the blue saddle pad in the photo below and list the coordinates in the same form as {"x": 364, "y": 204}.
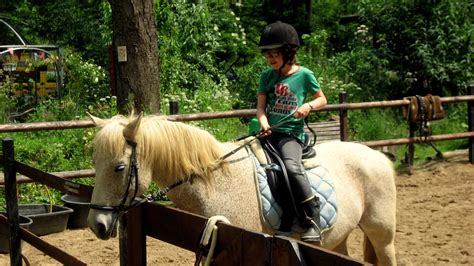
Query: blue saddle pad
{"x": 321, "y": 184}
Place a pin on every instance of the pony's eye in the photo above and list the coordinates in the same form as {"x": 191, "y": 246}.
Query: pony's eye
{"x": 119, "y": 168}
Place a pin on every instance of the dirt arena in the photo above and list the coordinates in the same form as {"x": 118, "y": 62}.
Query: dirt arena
{"x": 435, "y": 224}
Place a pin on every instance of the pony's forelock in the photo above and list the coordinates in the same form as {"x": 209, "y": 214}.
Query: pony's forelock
{"x": 109, "y": 141}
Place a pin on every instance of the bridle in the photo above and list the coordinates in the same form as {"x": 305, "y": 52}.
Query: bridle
{"x": 133, "y": 176}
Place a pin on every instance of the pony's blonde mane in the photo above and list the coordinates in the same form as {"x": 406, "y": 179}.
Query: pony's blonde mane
{"x": 173, "y": 150}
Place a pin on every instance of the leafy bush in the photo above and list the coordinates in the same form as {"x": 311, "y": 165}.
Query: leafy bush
{"x": 7, "y": 102}
{"x": 427, "y": 46}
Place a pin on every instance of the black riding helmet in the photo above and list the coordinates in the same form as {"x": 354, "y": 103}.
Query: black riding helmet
{"x": 278, "y": 34}
{"x": 281, "y": 36}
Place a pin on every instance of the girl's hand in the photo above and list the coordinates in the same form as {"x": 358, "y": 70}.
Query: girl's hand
{"x": 266, "y": 131}
{"x": 303, "y": 111}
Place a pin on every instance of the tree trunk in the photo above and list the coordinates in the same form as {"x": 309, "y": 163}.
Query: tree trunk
{"x": 136, "y": 54}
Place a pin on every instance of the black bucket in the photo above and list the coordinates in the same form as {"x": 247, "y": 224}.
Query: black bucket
{"x": 25, "y": 222}
{"x": 44, "y": 221}
{"x": 78, "y": 218}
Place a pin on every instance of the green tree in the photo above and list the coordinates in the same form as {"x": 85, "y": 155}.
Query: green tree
{"x": 427, "y": 43}
{"x": 137, "y": 64}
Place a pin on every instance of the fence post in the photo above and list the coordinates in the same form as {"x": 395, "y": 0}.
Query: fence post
{"x": 123, "y": 240}
{"x": 343, "y": 119}
{"x": 470, "y": 118}
{"x": 174, "y": 107}
{"x": 410, "y": 154}
{"x": 12, "y": 201}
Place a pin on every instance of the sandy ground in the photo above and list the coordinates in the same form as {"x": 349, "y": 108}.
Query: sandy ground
{"x": 435, "y": 224}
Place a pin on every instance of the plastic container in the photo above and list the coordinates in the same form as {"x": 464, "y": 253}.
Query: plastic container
{"x": 45, "y": 222}
{"x": 25, "y": 222}
{"x": 80, "y": 206}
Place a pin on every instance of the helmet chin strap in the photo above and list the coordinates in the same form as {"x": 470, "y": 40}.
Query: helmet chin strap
{"x": 281, "y": 68}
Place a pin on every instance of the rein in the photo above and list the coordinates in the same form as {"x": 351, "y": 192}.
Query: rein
{"x": 256, "y": 136}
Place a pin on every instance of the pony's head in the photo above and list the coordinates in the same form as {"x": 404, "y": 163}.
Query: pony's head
{"x": 167, "y": 151}
{"x": 117, "y": 176}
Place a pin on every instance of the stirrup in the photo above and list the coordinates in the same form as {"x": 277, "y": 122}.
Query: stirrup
{"x": 311, "y": 235}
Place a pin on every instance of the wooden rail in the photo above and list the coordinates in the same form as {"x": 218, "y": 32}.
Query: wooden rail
{"x": 235, "y": 246}
{"x": 27, "y": 127}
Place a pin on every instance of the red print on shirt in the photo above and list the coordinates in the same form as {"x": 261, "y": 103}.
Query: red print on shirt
{"x": 281, "y": 89}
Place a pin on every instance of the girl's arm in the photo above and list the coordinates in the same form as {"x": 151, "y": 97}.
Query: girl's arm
{"x": 261, "y": 114}
{"x": 318, "y": 102}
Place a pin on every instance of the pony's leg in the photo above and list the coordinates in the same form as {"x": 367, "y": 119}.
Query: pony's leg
{"x": 342, "y": 247}
{"x": 380, "y": 239}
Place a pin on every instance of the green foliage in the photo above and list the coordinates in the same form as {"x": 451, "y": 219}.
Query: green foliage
{"x": 7, "y": 102}
{"x": 50, "y": 151}
{"x": 201, "y": 43}
{"x": 81, "y": 25}
{"x": 367, "y": 124}
{"x": 87, "y": 88}
{"x": 427, "y": 45}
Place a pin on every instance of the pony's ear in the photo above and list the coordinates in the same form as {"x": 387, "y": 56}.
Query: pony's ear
{"x": 98, "y": 122}
{"x": 130, "y": 130}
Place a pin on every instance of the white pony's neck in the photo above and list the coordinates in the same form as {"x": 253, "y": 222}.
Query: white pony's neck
{"x": 175, "y": 151}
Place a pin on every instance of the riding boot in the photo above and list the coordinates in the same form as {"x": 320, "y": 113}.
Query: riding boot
{"x": 311, "y": 212}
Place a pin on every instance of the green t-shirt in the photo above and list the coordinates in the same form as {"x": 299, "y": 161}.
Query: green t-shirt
{"x": 284, "y": 95}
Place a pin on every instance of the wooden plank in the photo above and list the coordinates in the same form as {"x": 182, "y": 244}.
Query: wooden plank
{"x": 241, "y": 247}
{"x": 45, "y": 247}
{"x": 177, "y": 227}
{"x": 284, "y": 253}
{"x": 343, "y": 118}
{"x": 470, "y": 123}
{"x": 325, "y": 130}
{"x": 61, "y": 184}
{"x": 20, "y": 179}
{"x": 235, "y": 246}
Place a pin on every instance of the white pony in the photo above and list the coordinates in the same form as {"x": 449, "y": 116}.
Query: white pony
{"x": 129, "y": 153}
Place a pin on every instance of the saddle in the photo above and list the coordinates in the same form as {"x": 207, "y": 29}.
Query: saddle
{"x": 420, "y": 111}
{"x": 423, "y": 108}
{"x": 279, "y": 183}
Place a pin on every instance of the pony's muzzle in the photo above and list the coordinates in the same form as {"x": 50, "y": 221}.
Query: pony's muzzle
{"x": 103, "y": 224}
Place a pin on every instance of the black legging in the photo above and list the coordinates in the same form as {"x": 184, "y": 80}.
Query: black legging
{"x": 291, "y": 150}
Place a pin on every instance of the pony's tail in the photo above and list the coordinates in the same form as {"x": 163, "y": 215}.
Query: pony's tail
{"x": 369, "y": 251}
